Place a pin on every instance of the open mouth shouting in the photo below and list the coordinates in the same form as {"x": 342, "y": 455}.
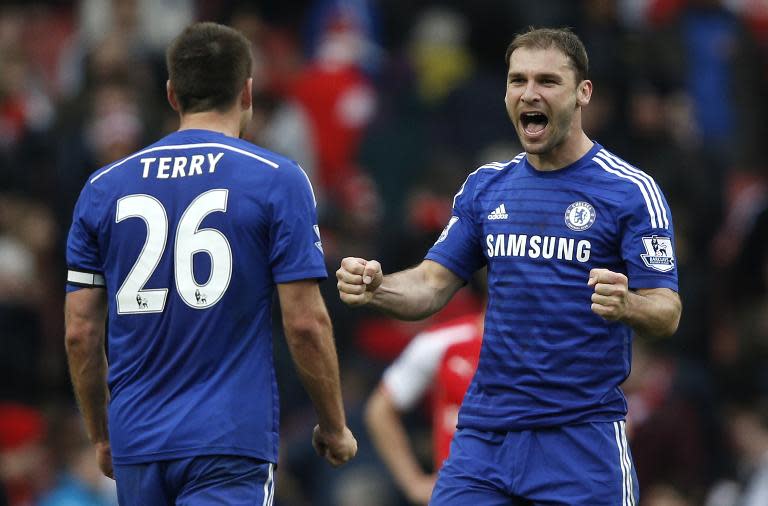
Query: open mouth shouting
{"x": 533, "y": 123}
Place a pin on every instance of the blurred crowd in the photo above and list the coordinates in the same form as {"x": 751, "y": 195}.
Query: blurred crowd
{"x": 388, "y": 105}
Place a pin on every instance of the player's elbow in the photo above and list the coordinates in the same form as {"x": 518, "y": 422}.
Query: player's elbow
{"x": 673, "y": 321}
{"x": 670, "y": 320}
{"x": 307, "y": 327}
{"x": 674, "y": 312}
{"x": 82, "y": 339}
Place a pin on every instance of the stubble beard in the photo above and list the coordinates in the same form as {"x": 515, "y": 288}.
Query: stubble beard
{"x": 557, "y": 135}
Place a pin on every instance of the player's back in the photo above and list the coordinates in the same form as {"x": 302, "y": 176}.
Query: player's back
{"x": 191, "y": 234}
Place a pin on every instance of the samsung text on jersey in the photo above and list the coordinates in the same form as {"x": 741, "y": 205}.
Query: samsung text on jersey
{"x": 514, "y": 245}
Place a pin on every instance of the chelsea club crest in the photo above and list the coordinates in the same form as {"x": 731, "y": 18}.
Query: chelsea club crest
{"x": 580, "y": 216}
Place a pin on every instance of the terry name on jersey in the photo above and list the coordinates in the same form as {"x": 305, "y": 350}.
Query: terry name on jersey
{"x": 535, "y": 246}
{"x": 166, "y": 167}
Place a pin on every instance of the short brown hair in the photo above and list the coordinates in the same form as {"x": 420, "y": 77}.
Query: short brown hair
{"x": 562, "y": 39}
{"x": 208, "y": 65}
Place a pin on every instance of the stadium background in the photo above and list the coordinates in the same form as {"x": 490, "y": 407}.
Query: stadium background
{"x": 388, "y": 105}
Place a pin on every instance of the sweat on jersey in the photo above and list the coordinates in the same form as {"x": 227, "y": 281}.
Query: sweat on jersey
{"x": 189, "y": 237}
{"x": 546, "y": 358}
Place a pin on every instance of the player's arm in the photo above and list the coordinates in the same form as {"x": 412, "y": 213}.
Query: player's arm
{"x": 651, "y": 312}
{"x": 85, "y": 318}
{"x": 412, "y": 294}
{"x": 308, "y": 332}
{"x": 385, "y": 426}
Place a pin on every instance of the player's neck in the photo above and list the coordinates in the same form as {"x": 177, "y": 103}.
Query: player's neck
{"x": 563, "y": 155}
{"x": 227, "y": 123}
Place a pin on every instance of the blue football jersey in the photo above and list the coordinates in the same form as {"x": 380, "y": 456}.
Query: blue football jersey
{"x": 189, "y": 237}
{"x": 546, "y": 358}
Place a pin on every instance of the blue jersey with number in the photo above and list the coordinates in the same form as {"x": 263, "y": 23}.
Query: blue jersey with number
{"x": 189, "y": 237}
{"x": 546, "y": 358}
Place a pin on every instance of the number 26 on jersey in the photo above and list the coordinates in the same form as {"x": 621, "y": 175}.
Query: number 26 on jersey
{"x": 132, "y": 297}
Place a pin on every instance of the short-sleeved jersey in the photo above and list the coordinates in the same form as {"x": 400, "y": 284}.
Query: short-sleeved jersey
{"x": 442, "y": 359}
{"x": 546, "y": 358}
{"x": 189, "y": 237}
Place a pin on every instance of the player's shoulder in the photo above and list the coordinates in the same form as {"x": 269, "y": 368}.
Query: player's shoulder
{"x": 486, "y": 171}
{"x": 495, "y": 167}
{"x": 269, "y": 157}
{"x": 612, "y": 167}
{"x": 641, "y": 193}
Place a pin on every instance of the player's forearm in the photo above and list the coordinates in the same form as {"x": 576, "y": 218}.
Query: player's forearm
{"x": 88, "y": 370}
{"x": 390, "y": 439}
{"x": 314, "y": 355}
{"x": 653, "y": 314}
{"x": 410, "y": 295}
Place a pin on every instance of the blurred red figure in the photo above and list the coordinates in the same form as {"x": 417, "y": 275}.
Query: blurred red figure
{"x": 24, "y": 464}
{"x": 339, "y": 100}
{"x": 442, "y": 360}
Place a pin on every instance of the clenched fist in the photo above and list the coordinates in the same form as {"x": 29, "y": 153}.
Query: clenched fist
{"x": 358, "y": 279}
{"x": 611, "y": 297}
{"x": 336, "y": 448}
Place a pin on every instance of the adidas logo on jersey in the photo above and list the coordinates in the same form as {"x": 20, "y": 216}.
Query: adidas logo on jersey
{"x": 500, "y": 213}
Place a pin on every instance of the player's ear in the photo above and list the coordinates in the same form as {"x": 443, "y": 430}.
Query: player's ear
{"x": 584, "y": 92}
{"x": 171, "y": 94}
{"x": 246, "y": 96}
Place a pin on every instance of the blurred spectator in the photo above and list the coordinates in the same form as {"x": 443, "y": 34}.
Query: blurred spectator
{"x": 25, "y": 469}
{"x": 747, "y": 428}
{"x": 78, "y": 478}
{"x": 664, "y": 495}
{"x": 337, "y": 96}
{"x": 666, "y": 431}
{"x": 147, "y": 23}
{"x": 279, "y": 123}
{"x": 105, "y": 125}
{"x": 27, "y": 239}
{"x": 439, "y": 53}
{"x": 704, "y": 50}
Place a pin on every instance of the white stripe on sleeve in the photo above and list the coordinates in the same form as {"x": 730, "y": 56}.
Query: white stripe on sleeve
{"x": 648, "y": 204}
{"x": 650, "y": 184}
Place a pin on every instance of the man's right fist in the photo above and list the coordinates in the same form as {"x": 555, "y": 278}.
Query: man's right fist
{"x": 357, "y": 280}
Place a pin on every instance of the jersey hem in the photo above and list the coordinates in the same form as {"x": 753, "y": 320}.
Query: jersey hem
{"x": 296, "y": 276}
{"x": 651, "y": 281}
{"x": 475, "y": 423}
{"x": 193, "y": 452}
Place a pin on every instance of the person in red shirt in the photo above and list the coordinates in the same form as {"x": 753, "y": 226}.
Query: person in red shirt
{"x": 443, "y": 358}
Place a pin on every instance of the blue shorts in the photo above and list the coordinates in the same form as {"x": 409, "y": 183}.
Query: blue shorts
{"x": 577, "y": 465}
{"x": 197, "y": 481}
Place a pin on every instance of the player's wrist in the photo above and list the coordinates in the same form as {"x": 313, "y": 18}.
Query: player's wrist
{"x": 333, "y": 431}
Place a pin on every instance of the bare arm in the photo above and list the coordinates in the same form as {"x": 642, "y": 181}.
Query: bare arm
{"x": 412, "y": 294}
{"x": 391, "y": 441}
{"x": 309, "y": 335}
{"x": 651, "y": 312}
{"x": 85, "y": 319}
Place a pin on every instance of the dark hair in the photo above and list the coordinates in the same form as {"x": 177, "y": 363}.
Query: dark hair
{"x": 208, "y": 65}
{"x": 562, "y": 39}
